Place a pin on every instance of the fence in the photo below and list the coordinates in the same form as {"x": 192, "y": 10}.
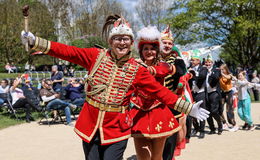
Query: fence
{"x": 36, "y": 76}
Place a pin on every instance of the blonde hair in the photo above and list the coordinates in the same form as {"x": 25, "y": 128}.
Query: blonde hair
{"x": 226, "y": 68}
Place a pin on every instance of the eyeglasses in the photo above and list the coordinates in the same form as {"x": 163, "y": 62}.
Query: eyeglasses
{"x": 119, "y": 39}
{"x": 48, "y": 84}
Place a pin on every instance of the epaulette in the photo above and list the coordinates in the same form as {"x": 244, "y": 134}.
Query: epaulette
{"x": 99, "y": 46}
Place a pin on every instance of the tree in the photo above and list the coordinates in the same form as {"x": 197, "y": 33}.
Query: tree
{"x": 233, "y": 24}
{"x": 91, "y": 21}
{"x": 151, "y": 12}
{"x": 89, "y": 42}
{"x": 11, "y": 25}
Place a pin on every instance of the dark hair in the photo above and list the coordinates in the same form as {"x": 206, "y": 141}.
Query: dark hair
{"x": 47, "y": 80}
{"x": 5, "y": 80}
{"x": 77, "y": 80}
{"x": 11, "y": 82}
{"x": 156, "y": 60}
{"x": 109, "y": 21}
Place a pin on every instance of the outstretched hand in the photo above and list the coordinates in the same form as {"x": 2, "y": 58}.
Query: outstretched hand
{"x": 198, "y": 112}
{"x": 27, "y": 37}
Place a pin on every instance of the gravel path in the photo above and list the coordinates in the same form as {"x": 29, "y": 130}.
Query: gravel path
{"x": 58, "y": 142}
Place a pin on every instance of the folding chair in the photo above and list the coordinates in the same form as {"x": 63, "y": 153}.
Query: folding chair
{"x": 45, "y": 115}
{"x": 8, "y": 103}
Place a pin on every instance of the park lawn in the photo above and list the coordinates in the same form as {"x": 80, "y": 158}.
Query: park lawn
{"x": 7, "y": 120}
{"x": 8, "y": 76}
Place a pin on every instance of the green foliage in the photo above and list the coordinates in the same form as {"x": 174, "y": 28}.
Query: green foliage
{"x": 233, "y": 24}
{"x": 89, "y": 42}
{"x": 96, "y": 40}
{"x": 80, "y": 43}
{"x": 12, "y": 23}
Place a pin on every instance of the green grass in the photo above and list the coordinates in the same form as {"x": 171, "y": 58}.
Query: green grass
{"x": 8, "y": 76}
{"x": 7, "y": 119}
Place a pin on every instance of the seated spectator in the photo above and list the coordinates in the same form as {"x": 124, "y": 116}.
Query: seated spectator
{"x": 45, "y": 68}
{"x": 19, "y": 100}
{"x": 74, "y": 92}
{"x": 71, "y": 71}
{"x": 66, "y": 72}
{"x": 4, "y": 88}
{"x": 8, "y": 68}
{"x": 32, "y": 68}
{"x": 13, "y": 67}
{"x": 27, "y": 67}
{"x": 31, "y": 93}
{"x": 51, "y": 97}
{"x": 57, "y": 78}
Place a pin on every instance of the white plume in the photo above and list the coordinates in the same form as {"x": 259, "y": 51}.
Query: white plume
{"x": 149, "y": 33}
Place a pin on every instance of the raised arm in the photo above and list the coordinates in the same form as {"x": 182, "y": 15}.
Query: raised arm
{"x": 242, "y": 83}
{"x": 81, "y": 56}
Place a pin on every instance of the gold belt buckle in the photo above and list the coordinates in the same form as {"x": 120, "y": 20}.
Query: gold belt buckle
{"x": 101, "y": 107}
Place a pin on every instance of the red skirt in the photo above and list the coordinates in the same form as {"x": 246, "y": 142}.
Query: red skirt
{"x": 154, "y": 123}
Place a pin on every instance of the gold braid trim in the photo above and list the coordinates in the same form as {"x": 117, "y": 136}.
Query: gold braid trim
{"x": 42, "y": 45}
{"x": 183, "y": 106}
{"x": 173, "y": 69}
{"x": 152, "y": 70}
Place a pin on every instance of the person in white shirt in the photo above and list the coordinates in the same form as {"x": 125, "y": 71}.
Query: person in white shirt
{"x": 244, "y": 103}
{"x": 213, "y": 95}
{"x": 4, "y": 88}
{"x": 197, "y": 83}
{"x": 18, "y": 98}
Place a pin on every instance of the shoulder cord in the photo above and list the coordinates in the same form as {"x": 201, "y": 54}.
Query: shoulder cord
{"x": 97, "y": 88}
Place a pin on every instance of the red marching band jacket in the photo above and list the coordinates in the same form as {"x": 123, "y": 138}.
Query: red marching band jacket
{"x": 109, "y": 89}
{"x": 152, "y": 118}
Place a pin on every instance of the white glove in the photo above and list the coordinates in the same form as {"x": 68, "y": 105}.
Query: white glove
{"x": 199, "y": 113}
{"x": 27, "y": 37}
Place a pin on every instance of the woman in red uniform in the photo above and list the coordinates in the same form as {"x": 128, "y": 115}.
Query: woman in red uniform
{"x": 104, "y": 122}
{"x": 153, "y": 121}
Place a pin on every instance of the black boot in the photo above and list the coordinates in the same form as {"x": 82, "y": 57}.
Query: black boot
{"x": 212, "y": 132}
{"x": 220, "y": 130}
{"x": 245, "y": 126}
{"x": 194, "y": 132}
{"x": 202, "y": 135}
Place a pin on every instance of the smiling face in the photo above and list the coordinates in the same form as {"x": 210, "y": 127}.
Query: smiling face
{"x": 223, "y": 70}
{"x": 195, "y": 62}
{"x": 167, "y": 46}
{"x": 241, "y": 76}
{"x": 121, "y": 45}
{"x": 149, "y": 53}
{"x": 208, "y": 64}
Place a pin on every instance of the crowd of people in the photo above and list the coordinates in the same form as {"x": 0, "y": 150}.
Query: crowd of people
{"x": 25, "y": 95}
{"x": 11, "y": 68}
{"x": 155, "y": 99}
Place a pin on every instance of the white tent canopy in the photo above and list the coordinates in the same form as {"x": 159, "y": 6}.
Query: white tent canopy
{"x": 203, "y": 52}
